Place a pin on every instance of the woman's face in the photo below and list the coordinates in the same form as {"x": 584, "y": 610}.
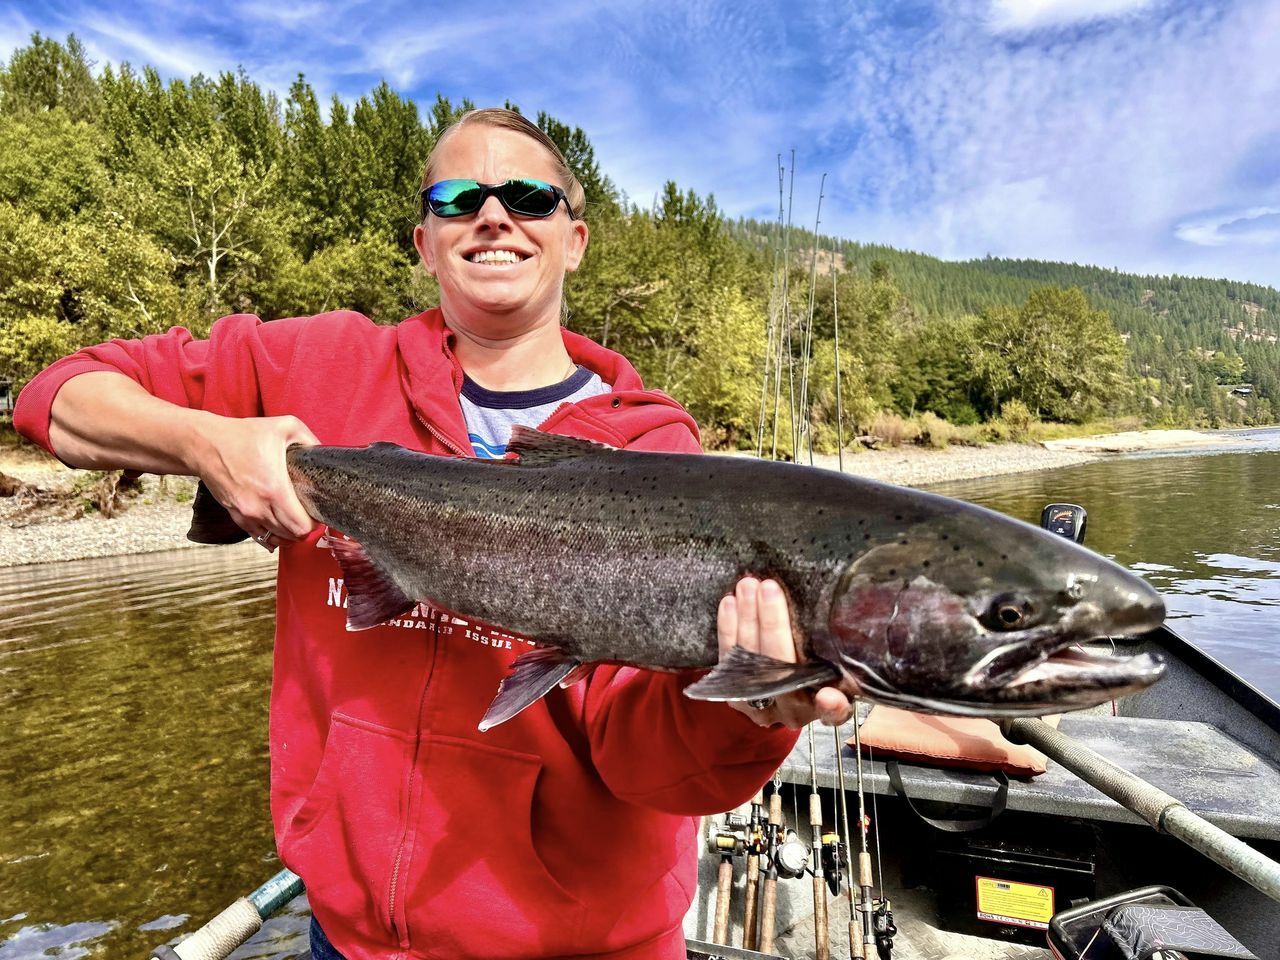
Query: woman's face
{"x": 481, "y": 293}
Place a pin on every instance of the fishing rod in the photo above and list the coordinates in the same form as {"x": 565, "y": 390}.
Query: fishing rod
{"x": 769, "y": 895}
{"x": 864, "y": 856}
{"x": 728, "y": 842}
{"x": 835, "y": 319}
{"x": 755, "y": 847}
{"x": 771, "y": 327}
{"x": 806, "y": 353}
{"x": 856, "y": 950}
{"x": 786, "y": 308}
{"x": 821, "y": 933}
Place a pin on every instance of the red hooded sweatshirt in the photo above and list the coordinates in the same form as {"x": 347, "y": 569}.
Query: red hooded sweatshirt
{"x": 571, "y": 829}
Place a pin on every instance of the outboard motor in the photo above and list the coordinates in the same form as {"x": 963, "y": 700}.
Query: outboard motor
{"x": 1064, "y": 519}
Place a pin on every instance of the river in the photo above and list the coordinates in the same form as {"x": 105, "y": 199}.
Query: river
{"x": 133, "y": 696}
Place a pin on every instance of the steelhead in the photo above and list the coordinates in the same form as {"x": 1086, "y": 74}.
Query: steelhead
{"x": 611, "y": 556}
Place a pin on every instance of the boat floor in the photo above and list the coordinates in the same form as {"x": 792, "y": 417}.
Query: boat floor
{"x": 920, "y": 935}
{"x": 284, "y": 936}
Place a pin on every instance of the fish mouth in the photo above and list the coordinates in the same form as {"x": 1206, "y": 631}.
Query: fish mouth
{"x": 1072, "y": 677}
{"x": 1079, "y": 676}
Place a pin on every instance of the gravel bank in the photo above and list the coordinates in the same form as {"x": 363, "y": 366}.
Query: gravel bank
{"x": 157, "y": 521}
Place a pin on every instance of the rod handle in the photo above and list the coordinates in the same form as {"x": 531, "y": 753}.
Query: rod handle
{"x": 724, "y": 883}
{"x": 753, "y": 895}
{"x": 220, "y": 936}
{"x": 768, "y": 914}
{"x": 821, "y": 933}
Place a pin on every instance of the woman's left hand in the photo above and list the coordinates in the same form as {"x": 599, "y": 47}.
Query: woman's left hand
{"x": 755, "y": 617}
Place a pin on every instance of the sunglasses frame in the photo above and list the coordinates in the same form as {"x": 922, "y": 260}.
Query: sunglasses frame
{"x": 495, "y": 189}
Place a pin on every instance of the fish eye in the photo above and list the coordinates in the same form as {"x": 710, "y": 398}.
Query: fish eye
{"x": 1008, "y": 612}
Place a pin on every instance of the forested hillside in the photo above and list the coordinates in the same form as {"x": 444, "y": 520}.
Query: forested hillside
{"x": 129, "y": 205}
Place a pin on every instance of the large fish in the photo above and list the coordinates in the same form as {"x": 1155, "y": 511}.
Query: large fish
{"x": 602, "y": 555}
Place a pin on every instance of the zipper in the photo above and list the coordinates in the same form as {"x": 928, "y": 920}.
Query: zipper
{"x": 445, "y": 441}
{"x": 403, "y": 937}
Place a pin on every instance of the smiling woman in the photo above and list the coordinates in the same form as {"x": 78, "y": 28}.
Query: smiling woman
{"x": 414, "y": 831}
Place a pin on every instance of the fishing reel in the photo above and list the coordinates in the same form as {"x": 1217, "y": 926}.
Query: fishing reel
{"x": 730, "y": 840}
{"x": 883, "y": 927}
{"x": 835, "y": 860}
{"x": 791, "y": 858}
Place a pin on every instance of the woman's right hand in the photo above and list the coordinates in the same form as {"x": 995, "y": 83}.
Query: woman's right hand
{"x": 242, "y": 462}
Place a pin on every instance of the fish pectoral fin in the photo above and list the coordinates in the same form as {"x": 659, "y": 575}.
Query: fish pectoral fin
{"x": 536, "y": 447}
{"x": 743, "y": 675}
{"x": 532, "y": 676}
{"x": 372, "y": 596}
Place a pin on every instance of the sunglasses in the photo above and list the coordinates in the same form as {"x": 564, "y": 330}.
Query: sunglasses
{"x": 522, "y": 196}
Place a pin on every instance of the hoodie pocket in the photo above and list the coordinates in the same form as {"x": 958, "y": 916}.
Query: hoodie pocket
{"x": 477, "y": 884}
{"x": 343, "y": 840}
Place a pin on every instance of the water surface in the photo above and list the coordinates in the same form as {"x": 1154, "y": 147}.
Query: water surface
{"x": 133, "y": 697}
{"x": 133, "y": 705}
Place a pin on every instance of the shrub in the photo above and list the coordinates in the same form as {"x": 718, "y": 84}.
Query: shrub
{"x": 935, "y": 431}
{"x": 892, "y": 430}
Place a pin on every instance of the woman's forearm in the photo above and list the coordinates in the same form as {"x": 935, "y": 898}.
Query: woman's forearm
{"x": 104, "y": 420}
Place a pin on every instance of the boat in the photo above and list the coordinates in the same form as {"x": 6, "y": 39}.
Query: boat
{"x": 967, "y": 865}
{"x": 1203, "y": 735}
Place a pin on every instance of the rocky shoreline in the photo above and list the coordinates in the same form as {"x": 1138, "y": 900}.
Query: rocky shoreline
{"x": 158, "y": 518}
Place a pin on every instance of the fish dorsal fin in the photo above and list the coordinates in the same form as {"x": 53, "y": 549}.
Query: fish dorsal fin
{"x": 538, "y": 448}
{"x": 744, "y": 675}
{"x": 532, "y": 676}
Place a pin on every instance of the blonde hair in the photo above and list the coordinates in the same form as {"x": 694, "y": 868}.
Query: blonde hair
{"x": 510, "y": 120}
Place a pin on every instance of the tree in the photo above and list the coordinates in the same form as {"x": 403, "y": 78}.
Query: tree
{"x": 1056, "y": 354}
{"x": 47, "y": 76}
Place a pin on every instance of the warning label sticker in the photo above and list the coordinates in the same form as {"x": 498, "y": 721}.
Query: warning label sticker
{"x": 1021, "y": 904}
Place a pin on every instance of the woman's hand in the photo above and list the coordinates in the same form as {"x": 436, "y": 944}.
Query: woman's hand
{"x": 755, "y": 617}
{"x": 242, "y": 462}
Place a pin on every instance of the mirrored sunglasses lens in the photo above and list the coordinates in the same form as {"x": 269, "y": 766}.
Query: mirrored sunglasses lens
{"x": 531, "y": 198}
{"x": 453, "y": 198}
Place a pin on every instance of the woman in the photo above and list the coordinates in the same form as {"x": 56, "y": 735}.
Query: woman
{"x": 567, "y": 831}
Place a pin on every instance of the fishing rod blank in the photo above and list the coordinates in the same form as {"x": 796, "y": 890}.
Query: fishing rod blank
{"x": 769, "y": 904}
{"x": 821, "y": 933}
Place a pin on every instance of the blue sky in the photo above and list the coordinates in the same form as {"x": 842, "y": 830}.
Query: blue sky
{"x": 1141, "y": 134}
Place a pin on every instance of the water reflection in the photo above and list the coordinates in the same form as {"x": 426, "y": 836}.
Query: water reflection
{"x": 1202, "y": 529}
{"x": 134, "y": 698}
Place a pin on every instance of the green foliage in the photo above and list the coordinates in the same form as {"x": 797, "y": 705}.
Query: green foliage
{"x": 1056, "y": 355}
{"x": 46, "y": 76}
{"x": 129, "y": 204}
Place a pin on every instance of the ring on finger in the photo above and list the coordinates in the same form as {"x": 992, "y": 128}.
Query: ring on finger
{"x": 263, "y": 537}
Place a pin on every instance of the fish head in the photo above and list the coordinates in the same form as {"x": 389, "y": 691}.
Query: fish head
{"x": 962, "y": 610}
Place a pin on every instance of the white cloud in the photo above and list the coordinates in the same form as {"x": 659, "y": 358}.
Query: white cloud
{"x": 169, "y": 54}
{"x": 15, "y": 32}
{"x": 1254, "y": 226}
{"x": 1088, "y": 148}
{"x": 1009, "y": 16}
